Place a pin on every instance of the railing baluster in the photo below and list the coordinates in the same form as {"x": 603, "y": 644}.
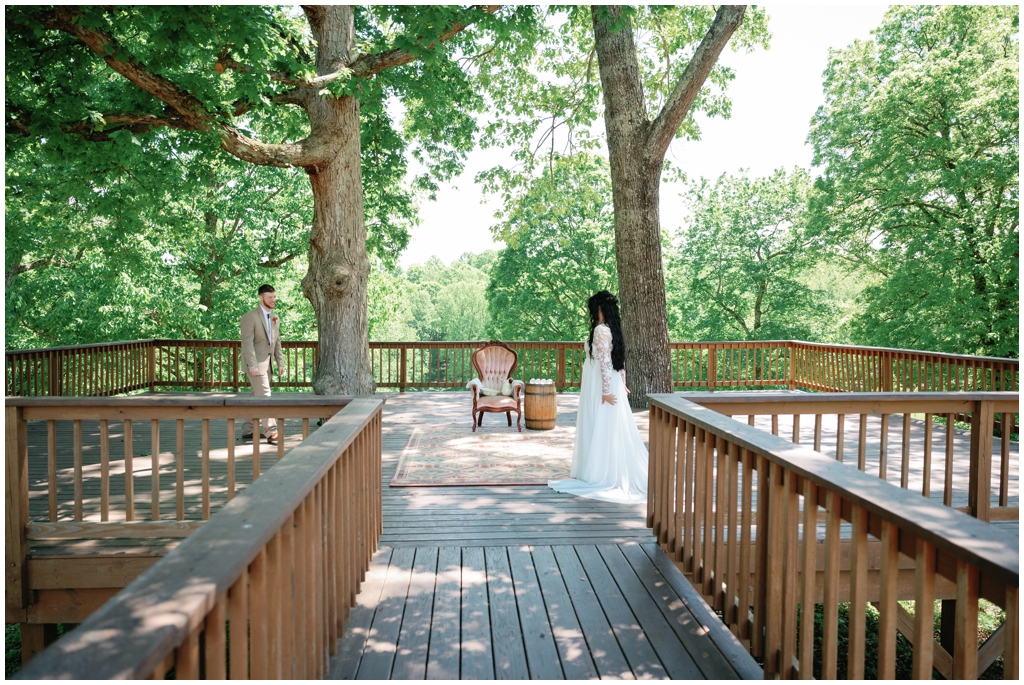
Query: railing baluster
{"x": 78, "y": 468}
{"x": 830, "y": 617}
{"x": 205, "y": 476}
{"x": 887, "y": 608}
{"x": 129, "y": 474}
{"x": 947, "y": 492}
{"x": 238, "y": 615}
{"x": 808, "y": 573}
{"x": 104, "y": 470}
{"x": 905, "y": 454}
{"x": 790, "y": 574}
{"x": 858, "y": 595}
{"x": 154, "y": 428}
{"x": 745, "y": 540}
{"x": 216, "y": 642}
{"x": 862, "y": 443}
{"x": 179, "y": 483}
{"x": 965, "y": 634}
{"x": 51, "y": 468}
{"x": 231, "y": 458}
{"x": 926, "y": 486}
{"x": 924, "y": 611}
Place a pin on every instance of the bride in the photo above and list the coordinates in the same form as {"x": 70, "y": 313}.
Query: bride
{"x": 609, "y": 460}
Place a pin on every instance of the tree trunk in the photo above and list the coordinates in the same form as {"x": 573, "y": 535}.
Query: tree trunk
{"x": 336, "y": 281}
{"x": 636, "y": 185}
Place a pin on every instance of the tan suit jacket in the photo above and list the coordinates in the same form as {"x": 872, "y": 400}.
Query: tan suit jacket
{"x": 256, "y": 349}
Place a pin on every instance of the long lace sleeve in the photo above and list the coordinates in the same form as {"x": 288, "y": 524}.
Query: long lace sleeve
{"x": 603, "y": 352}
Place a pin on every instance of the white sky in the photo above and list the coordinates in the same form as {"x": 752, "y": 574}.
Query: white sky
{"x": 774, "y": 95}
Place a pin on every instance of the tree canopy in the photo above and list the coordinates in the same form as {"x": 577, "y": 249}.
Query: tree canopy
{"x": 919, "y": 140}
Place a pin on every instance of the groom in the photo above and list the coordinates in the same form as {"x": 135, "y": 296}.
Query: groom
{"x": 261, "y": 346}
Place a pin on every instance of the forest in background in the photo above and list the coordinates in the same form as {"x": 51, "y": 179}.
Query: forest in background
{"x": 904, "y": 234}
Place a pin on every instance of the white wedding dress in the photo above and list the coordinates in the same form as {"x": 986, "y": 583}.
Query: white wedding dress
{"x": 609, "y": 460}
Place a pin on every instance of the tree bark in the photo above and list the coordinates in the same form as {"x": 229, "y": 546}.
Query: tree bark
{"x": 636, "y": 151}
{"x": 339, "y": 269}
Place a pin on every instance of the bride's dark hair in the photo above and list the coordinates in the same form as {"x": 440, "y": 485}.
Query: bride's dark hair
{"x": 609, "y": 305}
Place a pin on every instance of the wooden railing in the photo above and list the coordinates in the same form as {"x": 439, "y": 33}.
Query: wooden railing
{"x": 738, "y": 509}
{"x": 112, "y": 493}
{"x": 843, "y": 421}
{"x": 263, "y": 588}
{"x": 117, "y": 368}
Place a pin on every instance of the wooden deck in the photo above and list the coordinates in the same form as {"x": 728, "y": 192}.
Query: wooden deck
{"x": 522, "y": 582}
{"x": 477, "y": 582}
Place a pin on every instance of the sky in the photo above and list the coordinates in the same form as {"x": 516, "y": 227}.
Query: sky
{"x": 774, "y": 95}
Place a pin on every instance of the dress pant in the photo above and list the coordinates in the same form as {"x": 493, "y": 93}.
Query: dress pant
{"x": 260, "y": 388}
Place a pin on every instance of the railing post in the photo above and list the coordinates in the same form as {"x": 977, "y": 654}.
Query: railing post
{"x": 712, "y": 367}
{"x": 560, "y": 368}
{"x": 979, "y": 489}
{"x": 16, "y": 512}
{"x": 234, "y": 365}
{"x": 152, "y": 366}
{"x": 792, "y": 366}
{"x": 401, "y": 364}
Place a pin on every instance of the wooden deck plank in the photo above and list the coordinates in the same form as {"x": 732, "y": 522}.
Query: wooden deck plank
{"x": 477, "y": 658}
{"x": 444, "y": 649}
{"x": 357, "y": 629}
{"x": 636, "y": 645}
{"x": 608, "y": 656}
{"x": 506, "y": 634}
{"x": 577, "y": 664}
{"x": 541, "y": 652}
{"x": 414, "y": 637}
{"x": 690, "y": 633}
{"x": 726, "y": 642}
{"x": 677, "y": 662}
{"x": 379, "y": 652}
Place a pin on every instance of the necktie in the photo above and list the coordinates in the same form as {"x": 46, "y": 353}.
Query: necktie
{"x": 270, "y": 330}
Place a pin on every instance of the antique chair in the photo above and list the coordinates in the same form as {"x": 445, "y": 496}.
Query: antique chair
{"x": 494, "y": 364}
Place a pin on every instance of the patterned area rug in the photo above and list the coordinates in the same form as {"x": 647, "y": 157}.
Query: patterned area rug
{"x": 449, "y": 455}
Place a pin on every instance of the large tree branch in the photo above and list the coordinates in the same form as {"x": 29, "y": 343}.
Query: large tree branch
{"x": 368, "y": 65}
{"x": 190, "y": 111}
{"x": 664, "y": 127}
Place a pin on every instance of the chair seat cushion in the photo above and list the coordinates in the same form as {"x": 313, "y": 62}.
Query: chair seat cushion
{"x": 498, "y": 402}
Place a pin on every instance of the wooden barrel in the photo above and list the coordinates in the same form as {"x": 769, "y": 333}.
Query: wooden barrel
{"x": 541, "y": 408}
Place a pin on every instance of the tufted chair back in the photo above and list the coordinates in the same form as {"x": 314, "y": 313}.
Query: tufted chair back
{"x": 495, "y": 363}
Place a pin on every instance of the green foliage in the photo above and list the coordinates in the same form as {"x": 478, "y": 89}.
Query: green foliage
{"x": 560, "y": 250}
{"x": 919, "y": 142}
{"x": 546, "y": 99}
{"x": 739, "y": 271}
{"x": 438, "y": 302}
{"x": 12, "y": 649}
{"x": 119, "y": 230}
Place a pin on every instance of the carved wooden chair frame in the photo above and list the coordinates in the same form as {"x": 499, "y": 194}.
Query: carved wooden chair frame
{"x": 479, "y": 408}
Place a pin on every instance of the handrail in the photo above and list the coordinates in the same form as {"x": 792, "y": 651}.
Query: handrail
{"x": 721, "y": 491}
{"x": 285, "y": 556}
{"x": 114, "y": 368}
{"x": 113, "y": 427}
{"x": 860, "y": 408}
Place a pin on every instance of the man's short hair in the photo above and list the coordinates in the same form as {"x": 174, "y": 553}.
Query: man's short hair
{"x": 265, "y": 289}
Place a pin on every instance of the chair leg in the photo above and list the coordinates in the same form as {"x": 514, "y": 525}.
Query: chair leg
{"x": 519, "y": 416}
{"x": 508, "y": 415}
{"x": 480, "y": 419}
{"x": 474, "y": 422}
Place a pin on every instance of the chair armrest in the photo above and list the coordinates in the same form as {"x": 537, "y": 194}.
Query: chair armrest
{"x": 517, "y": 389}
{"x": 475, "y": 385}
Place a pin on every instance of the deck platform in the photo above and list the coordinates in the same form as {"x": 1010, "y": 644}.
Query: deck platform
{"x": 522, "y": 582}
